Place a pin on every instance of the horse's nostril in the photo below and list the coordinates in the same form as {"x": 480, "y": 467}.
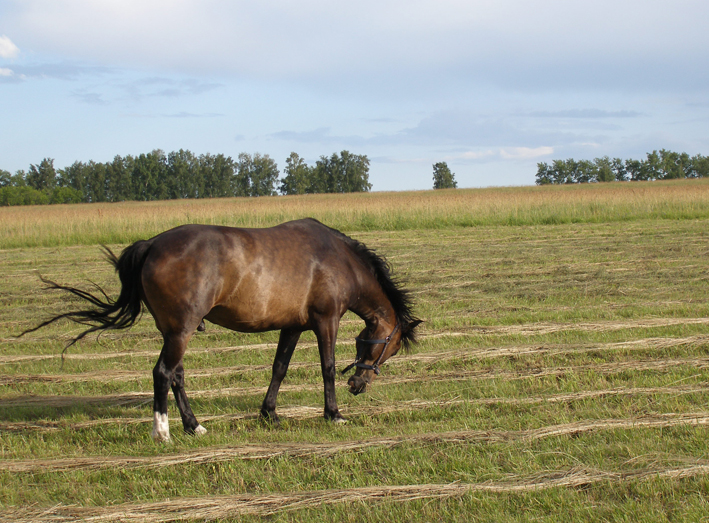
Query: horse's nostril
{"x": 357, "y": 385}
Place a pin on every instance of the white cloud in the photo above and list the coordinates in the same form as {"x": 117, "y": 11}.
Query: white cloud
{"x": 505, "y": 153}
{"x": 525, "y": 153}
{"x": 510, "y": 42}
{"x": 6, "y": 72}
{"x": 479, "y": 155}
{"x": 7, "y": 48}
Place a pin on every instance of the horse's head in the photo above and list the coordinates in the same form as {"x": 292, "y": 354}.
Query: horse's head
{"x": 375, "y": 348}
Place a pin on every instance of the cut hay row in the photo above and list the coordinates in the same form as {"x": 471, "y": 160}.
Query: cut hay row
{"x": 427, "y": 357}
{"x": 222, "y": 507}
{"x": 20, "y": 358}
{"x": 136, "y": 398}
{"x": 536, "y": 329}
{"x": 539, "y": 329}
{"x": 304, "y": 450}
{"x": 308, "y": 412}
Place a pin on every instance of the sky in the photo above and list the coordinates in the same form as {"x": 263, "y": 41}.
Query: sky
{"x": 492, "y": 87}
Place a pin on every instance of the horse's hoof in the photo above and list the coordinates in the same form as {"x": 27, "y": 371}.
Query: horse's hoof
{"x": 270, "y": 418}
{"x": 200, "y": 431}
{"x": 161, "y": 428}
{"x": 340, "y": 421}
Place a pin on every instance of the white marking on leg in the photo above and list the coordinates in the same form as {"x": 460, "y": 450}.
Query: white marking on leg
{"x": 200, "y": 430}
{"x": 161, "y": 427}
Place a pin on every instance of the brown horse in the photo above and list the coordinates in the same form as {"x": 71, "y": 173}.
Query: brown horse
{"x": 294, "y": 277}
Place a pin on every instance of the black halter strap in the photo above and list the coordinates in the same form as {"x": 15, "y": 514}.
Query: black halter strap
{"x": 360, "y": 357}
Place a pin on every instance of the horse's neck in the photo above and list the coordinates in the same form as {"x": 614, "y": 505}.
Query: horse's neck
{"x": 373, "y": 306}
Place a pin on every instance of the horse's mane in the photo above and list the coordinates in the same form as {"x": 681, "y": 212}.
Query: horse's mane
{"x": 399, "y": 297}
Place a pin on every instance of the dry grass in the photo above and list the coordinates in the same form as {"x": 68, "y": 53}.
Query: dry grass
{"x": 128, "y": 221}
{"x": 222, "y": 507}
{"x": 300, "y": 450}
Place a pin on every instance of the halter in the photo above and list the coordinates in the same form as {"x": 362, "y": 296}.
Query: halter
{"x": 360, "y": 357}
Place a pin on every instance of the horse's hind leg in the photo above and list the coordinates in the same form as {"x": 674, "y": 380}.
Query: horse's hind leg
{"x": 189, "y": 422}
{"x": 164, "y": 373}
{"x": 286, "y": 345}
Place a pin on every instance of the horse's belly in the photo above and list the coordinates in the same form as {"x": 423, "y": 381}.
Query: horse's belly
{"x": 256, "y": 319}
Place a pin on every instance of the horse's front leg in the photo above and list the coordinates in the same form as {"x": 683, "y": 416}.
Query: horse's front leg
{"x": 326, "y": 333}
{"x": 286, "y": 345}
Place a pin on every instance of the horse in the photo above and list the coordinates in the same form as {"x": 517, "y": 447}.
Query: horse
{"x": 297, "y": 276}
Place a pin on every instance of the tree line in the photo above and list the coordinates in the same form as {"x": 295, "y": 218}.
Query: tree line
{"x": 182, "y": 174}
{"x": 662, "y": 165}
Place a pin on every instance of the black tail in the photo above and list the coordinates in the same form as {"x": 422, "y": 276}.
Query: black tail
{"x": 107, "y": 313}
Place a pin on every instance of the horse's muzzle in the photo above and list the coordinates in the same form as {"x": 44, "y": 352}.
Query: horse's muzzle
{"x": 357, "y": 384}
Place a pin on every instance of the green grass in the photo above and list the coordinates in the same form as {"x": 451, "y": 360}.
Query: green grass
{"x": 527, "y": 327}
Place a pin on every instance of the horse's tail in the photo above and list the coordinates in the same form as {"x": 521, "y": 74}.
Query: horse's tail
{"x": 107, "y": 313}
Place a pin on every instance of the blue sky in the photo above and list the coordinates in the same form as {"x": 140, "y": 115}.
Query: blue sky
{"x": 491, "y": 87}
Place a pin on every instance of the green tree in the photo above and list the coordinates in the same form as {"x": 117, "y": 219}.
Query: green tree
{"x": 22, "y": 195}
{"x": 674, "y": 165}
{"x": 95, "y": 180}
{"x": 340, "y": 173}
{"x": 298, "y": 175}
{"x": 699, "y": 167}
{"x": 5, "y": 178}
{"x": 242, "y": 178}
{"x": 604, "y": 169}
{"x": 355, "y": 172}
{"x": 119, "y": 182}
{"x": 543, "y": 176}
{"x": 74, "y": 177}
{"x": 217, "y": 175}
{"x": 19, "y": 179}
{"x": 42, "y": 176}
{"x": 443, "y": 178}
{"x": 323, "y": 178}
{"x": 635, "y": 169}
{"x": 184, "y": 175}
{"x": 65, "y": 195}
{"x": 264, "y": 176}
{"x": 662, "y": 165}
{"x": 652, "y": 167}
{"x": 619, "y": 170}
{"x": 583, "y": 171}
{"x": 149, "y": 176}
{"x": 256, "y": 175}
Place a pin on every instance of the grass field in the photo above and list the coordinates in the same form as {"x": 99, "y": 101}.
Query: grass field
{"x": 89, "y": 224}
{"x": 562, "y": 373}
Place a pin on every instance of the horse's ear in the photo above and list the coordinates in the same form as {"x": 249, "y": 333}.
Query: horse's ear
{"x": 408, "y": 336}
{"x": 412, "y": 325}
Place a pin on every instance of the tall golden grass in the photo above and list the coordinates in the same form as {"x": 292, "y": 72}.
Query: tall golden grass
{"x": 128, "y": 221}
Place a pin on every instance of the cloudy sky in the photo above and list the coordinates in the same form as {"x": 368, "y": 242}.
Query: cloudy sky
{"x": 490, "y": 86}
